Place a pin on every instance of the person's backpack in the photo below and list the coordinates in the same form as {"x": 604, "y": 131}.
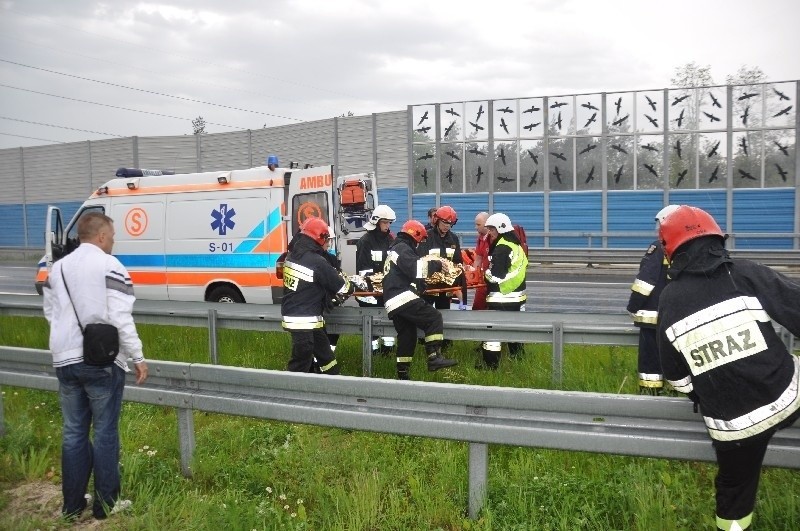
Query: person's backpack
{"x": 523, "y": 240}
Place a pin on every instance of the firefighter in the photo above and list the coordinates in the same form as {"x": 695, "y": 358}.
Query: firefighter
{"x": 643, "y": 307}
{"x": 310, "y": 282}
{"x": 371, "y": 251}
{"x": 505, "y": 281}
{"x": 443, "y": 242}
{"x": 718, "y": 345}
{"x": 404, "y": 269}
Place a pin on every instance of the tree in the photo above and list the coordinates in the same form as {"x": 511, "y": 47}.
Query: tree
{"x": 348, "y": 115}
{"x": 199, "y": 126}
{"x": 746, "y": 76}
{"x": 692, "y": 75}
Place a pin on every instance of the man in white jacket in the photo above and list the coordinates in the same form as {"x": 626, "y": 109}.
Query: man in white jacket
{"x": 91, "y": 286}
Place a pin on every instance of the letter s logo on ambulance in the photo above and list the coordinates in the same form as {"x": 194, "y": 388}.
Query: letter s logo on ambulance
{"x": 136, "y": 222}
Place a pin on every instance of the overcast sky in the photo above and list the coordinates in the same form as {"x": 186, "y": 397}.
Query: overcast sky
{"x": 244, "y": 64}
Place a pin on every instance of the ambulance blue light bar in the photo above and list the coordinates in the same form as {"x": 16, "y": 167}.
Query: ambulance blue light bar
{"x": 140, "y": 172}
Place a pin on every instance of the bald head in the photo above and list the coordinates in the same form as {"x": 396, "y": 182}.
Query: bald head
{"x": 480, "y": 222}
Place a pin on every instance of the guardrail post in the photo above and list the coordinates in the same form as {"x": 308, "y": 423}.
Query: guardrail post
{"x": 186, "y": 440}
{"x": 212, "y": 336}
{"x": 366, "y": 346}
{"x": 2, "y": 415}
{"x": 558, "y": 353}
{"x": 478, "y": 472}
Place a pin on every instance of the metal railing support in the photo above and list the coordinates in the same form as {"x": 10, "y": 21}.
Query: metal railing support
{"x": 478, "y": 477}
{"x": 558, "y": 353}
{"x": 212, "y": 336}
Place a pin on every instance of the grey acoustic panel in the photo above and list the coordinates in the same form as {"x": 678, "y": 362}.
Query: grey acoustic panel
{"x": 226, "y": 151}
{"x": 108, "y": 156}
{"x": 178, "y": 153}
{"x": 11, "y": 182}
{"x": 57, "y": 173}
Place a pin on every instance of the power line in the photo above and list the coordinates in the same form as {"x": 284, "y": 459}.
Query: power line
{"x": 34, "y": 138}
{"x": 148, "y": 91}
{"x": 60, "y": 127}
{"x": 114, "y": 106}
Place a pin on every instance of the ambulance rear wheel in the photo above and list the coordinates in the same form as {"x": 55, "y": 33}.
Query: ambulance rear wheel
{"x": 225, "y": 294}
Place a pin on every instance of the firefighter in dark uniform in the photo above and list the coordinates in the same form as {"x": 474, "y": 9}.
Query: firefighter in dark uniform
{"x": 404, "y": 270}
{"x": 310, "y": 283}
{"x": 643, "y": 307}
{"x": 442, "y": 242}
{"x": 505, "y": 281}
{"x": 371, "y": 250}
{"x": 718, "y": 345}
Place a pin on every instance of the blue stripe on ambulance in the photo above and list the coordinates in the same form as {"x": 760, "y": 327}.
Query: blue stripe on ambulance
{"x": 247, "y": 261}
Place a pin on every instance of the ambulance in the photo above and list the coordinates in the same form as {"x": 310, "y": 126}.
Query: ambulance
{"x": 216, "y": 236}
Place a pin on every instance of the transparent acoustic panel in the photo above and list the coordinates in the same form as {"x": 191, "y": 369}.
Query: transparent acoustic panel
{"x": 619, "y": 156}
{"x": 562, "y": 115}
{"x": 452, "y": 167}
{"x": 588, "y": 163}
{"x": 619, "y": 112}
{"x": 649, "y": 111}
{"x": 451, "y": 122}
{"x": 779, "y": 158}
{"x": 424, "y": 121}
{"x": 476, "y": 167}
{"x": 780, "y": 104}
{"x": 682, "y": 109}
{"x": 476, "y": 126}
{"x": 747, "y": 159}
{"x": 648, "y": 162}
{"x": 531, "y": 165}
{"x": 505, "y": 167}
{"x": 588, "y": 115}
{"x": 714, "y": 105}
{"x": 682, "y": 153}
{"x": 505, "y": 119}
{"x": 559, "y": 155}
{"x": 531, "y": 117}
{"x": 712, "y": 160}
{"x": 747, "y": 106}
{"x": 424, "y": 168}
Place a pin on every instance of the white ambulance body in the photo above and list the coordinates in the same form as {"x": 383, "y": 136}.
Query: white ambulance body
{"x": 216, "y": 236}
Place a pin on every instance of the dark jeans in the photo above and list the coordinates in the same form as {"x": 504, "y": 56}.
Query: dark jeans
{"x": 90, "y": 397}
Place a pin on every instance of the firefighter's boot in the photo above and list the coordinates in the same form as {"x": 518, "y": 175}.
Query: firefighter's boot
{"x": 491, "y": 358}
{"x": 651, "y": 391}
{"x": 436, "y": 361}
{"x": 516, "y": 350}
{"x": 403, "y": 371}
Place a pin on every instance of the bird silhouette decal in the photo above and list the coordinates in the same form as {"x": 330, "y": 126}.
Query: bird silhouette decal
{"x": 478, "y": 175}
{"x": 426, "y": 156}
{"x": 714, "y": 174}
{"x": 558, "y": 104}
{"x": 743, "y": 145}
{"x": 424, "y": 129}
{"x": 476, "y": 126}
{"x": 480, "y": 112}
{"x": 534, "y": 177}
{"x": 781, "y": 171}
{"x": 452, "y": 155}
{"x": 590, "y": 120}
{"x": 679, "y": 99}
{"x": 588, "y": 105}
{"x": 505, "y": 110}
{"x": 677, "y": 147}
{"x": 650, "y": 147}
{"x": 745, "y": 175}
{"x": 533, "y": 156}
{"x": 651, "y": 169}
{"x": 619, "y": 148}
{"x": 679, "y": 119}
{"x": 533, "y": 108}
{"x": 681, "y": 175}
{"x": 504, "y": 179}
{"x": 449, "y": 175}
{"x": 714, "y": 149}
{"x": 781, "y": 96}
{"x": 747, "y": 96}
{"x": 618, "y": 174}
{"x": 530, "y": 127}
{"x": 711, "y": 117}
{"x": 476, "y": 151}
{"x": 782, "y": 148}
{"x": 451, "y": 111}
{"x": 449, "y": 128}
{"x": 745, "y": 115}
{"x": 425, "y": 176}
{"x": 783, "y": 112}
{"x": 424, "y": 117}
{"x": 559, "y": 155}
{"x": 587, "y": 149}
{"x": 714, "y": 101}
{"x": 502, "y": 155}
{"x": 652, "y": 120}
{"x": 504, "y": 125}
{"x": 619, "y": 121}
{"x": 589, "y": 177}
{"x": 618, "y": 104}
{"x": 558, "y": 122}
{"x": 557, "y": 175}
{"x": 650, "y": 102}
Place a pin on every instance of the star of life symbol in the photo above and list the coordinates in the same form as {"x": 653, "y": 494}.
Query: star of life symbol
{"x": 223, "y": 219}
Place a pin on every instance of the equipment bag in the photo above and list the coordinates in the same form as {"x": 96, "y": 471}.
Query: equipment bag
{"x": 100, "y": 344}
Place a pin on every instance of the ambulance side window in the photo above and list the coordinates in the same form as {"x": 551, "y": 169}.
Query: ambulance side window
{"x": 72, "y": 233}
{"x": 312, "y": 205}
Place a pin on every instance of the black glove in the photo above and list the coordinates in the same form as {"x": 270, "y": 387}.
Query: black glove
{"x": 434, "y": 266}
{"x": 694, "y": 398}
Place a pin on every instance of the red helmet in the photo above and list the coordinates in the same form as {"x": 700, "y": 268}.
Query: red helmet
{"x": 316, "y": 229}
{"x": 415, "y": 229}
{"x": 445, "y": 213}
{"x": 685, "y": 224}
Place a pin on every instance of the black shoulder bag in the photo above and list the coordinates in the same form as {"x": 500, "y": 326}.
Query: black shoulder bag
{"x": 100, "y": 340}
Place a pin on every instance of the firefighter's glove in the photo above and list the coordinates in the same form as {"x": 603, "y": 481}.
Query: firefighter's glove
{"x": 462, "y": 306}
{"x": 434, "y": 266}
{"x": 360, "y": 282}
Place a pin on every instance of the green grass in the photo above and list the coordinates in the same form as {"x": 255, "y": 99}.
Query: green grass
{"x": 255, "y": 474}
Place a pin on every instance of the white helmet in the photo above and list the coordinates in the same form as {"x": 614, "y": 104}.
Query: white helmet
{"x": 666, "y": 211}
{"x": 380, "y": 212}
{"x": 499, "y": 222}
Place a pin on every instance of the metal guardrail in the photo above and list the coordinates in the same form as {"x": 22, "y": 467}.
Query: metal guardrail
{"x": 591, "y": 422}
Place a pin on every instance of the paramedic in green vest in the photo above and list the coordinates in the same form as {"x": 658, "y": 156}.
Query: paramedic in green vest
{"x": 505, "y": 281}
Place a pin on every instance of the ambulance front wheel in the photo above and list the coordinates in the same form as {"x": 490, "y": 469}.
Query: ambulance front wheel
{"x": 224, "y": 294}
